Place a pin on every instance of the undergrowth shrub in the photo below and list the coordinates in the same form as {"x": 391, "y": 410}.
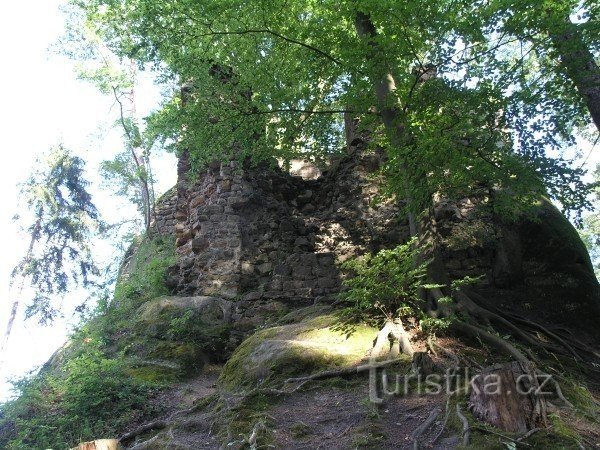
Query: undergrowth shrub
{"x": 88, "y": 392}
{"x": 145, "y": 277}
{"x": 385, "y": 286}
{"x": 90, "y": 397}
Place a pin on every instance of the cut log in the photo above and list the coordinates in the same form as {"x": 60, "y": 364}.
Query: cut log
{"x": 509, "y": 397}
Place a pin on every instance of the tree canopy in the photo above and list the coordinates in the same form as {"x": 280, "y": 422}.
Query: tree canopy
{"x": 274, "y": 79}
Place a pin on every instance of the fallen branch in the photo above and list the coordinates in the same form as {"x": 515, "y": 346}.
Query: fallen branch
{"x": 156, "y": 424}
{"x": 146, "y": 444}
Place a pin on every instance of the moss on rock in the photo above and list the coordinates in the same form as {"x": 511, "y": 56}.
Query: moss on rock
{"x": 274, "y": 354}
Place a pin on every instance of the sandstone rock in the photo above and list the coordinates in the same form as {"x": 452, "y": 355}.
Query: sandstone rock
{"x": 296, "y": 349}
{"x": 213, "y": 309}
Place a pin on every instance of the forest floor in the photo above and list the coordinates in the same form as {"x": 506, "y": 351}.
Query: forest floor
{"x": 336, "y": 413}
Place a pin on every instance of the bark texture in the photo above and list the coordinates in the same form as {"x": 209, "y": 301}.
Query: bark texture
{"x": 580, "y": 65}
{"x": 508, "y": 397}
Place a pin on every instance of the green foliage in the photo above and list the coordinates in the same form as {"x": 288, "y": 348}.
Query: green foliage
{"x": 93, "y": 388}
{"x": 115, "y": 76}
{"x": 273, "y": 80}
{"x": 120, "y": 174}
{"x": 432, "y": 325}
{"x": 91, "y": 396}
{"x": 382, "y": 287}
{"x": 146, "y": 272}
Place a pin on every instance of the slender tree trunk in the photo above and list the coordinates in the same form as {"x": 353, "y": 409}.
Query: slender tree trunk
{"x": 385, "y": 87}
{"x": 393, "y": 120}
{"x": 143, "y": 162}
{"x": 35, "y": 235}
{"x": 579, "y": 64}
{"x": 138, "y": 159}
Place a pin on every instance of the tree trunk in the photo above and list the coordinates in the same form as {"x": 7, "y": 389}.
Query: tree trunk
{"x": 580, "y": 66}
{"x": 393, "y": 121}
{"x": 385, "y": 87}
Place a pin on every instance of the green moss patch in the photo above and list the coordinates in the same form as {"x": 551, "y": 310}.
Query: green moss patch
{"x": 274, "y": 354}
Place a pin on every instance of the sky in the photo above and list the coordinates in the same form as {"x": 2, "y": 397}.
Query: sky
{"x": 44, "y": 104}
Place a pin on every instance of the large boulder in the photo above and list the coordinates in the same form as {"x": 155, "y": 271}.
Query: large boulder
{"x": 175, "y": 336}
{"x": 271, "y": 355}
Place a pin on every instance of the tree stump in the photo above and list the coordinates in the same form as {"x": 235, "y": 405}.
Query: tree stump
{"x": 509, "y": 397}
{"x": 423, "y": 364}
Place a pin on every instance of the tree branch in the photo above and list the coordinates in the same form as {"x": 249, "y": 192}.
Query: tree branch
{"x": 273, "y": 33}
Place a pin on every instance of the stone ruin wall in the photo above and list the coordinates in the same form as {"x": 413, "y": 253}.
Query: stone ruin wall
{"x": 267, "y": 238}
{"x": 261, "y": 236}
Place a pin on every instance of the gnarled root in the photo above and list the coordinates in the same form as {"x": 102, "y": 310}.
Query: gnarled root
{"x": 424, "y": 426}
{"x": 466, "y": 429}
{"x": 536, "y": 326}
{"x": 490, "y": 339}
{"x": 394, "y": 329}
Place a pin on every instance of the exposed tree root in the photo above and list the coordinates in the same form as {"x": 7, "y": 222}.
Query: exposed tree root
{"x": 577, "y": 343}
{"x": 530, "y": 433}
{"x": 395, "y": 329}
{"x": 430, "y": 345}
{"x": 466, "y": 429}
{"x": 534, "y": 325}
{"x": 503, "y": 436}
{"x": 448, "y": 353}
{"x": 424, "y": 426}
{"x": 467, "y": 305}
{"x": 446, "y": 416}
{"x": 494, "y": 341}
{"x": 258, "y": 428}
{"x": 471, "y": 304}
